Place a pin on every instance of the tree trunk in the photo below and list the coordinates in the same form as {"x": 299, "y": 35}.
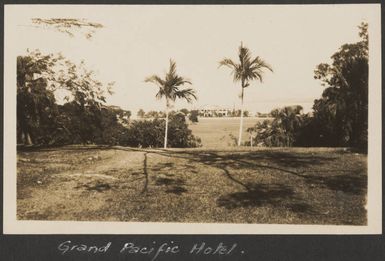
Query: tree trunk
{"x": 241, "y": 124}
{"x": 166, "y": 131}
{"x": 26, "y": 137}
{"x": 29, "y": 140}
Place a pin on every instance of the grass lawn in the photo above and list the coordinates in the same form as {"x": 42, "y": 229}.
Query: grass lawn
{"x": 292, "y": 186}
{"x": 215, "y": 132}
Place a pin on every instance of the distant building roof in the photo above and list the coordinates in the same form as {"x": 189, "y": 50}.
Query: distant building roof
{"x": 212, "y": 107}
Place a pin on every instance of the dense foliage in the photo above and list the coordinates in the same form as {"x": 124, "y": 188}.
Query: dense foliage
{"x": 82, "y": 119}
{"x": 193, "y": 116}
{"x": 150, "y": 133}
{"x": 341, "y": 114}
{"x": 283, "y": 131}
{"x": 92, "y": 125}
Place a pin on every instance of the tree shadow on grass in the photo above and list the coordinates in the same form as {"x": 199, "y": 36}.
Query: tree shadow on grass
{"x": 282, "y": 162}
{"x": 300, "y": 165}
{"x": 256, "y": 195}
{"x": 280, "y": 159}
{"x": 99, "y": 187}
{"x": 355, "y": 182}
{"x": 176, "y": 190}
{"x": 301, "y": 208}
{"x": 161, "y": 166}
{"x": 293, "y": 160}
{"x": 175, "y": 186}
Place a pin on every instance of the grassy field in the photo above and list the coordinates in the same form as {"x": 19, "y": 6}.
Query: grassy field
{"x": 292, "y": 186}
{"x": 215, "y": 132}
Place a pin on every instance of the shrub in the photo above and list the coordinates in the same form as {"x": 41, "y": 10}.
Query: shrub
{"x": 89, "y": 125}
{"x": 282, "y": 131}
{"x": 146, "y": 133}
{"x": 150, "y": 133}
{"x": 193, "y": 117}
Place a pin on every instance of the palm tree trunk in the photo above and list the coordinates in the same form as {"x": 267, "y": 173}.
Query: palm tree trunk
{"x": 241, "y": 124}
{"x": 166, "y": 131}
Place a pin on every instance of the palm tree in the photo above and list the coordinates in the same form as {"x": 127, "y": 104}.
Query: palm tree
{"x": 169, "y": 88}
{"x": 247, "y": 70}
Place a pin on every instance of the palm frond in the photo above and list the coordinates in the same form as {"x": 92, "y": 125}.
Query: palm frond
{"x": 259, "y": 63}
{"x": 187, "y": 94}
{"x": 255, "y": 75}
{"x": 169, "y": 86}
{"x": 172, "y": 70}
{"x": 236, "y": 68}
{"x": 178, "y": 81}
{"x": 229, "y": 63}
{"x": 244, "y": 56}
{"x": 171, "y": 74}
{"x": 237, "y": 75}
{"x": 160, "y": 94}
{"x": 155, "y": 79}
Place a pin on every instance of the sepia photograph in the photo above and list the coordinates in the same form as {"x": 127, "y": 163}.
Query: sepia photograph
{"x": 192, "y": 117}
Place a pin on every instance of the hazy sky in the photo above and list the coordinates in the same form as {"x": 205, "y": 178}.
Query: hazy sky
{"x": 138, "y": 41}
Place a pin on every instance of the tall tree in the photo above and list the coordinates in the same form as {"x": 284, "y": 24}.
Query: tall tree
{"x": 169, "y": 87}
{"x": 36, "y": 107}
{"x": 38, "y": 77}
{"x": 248, "y": 69}
{"x": 342, "y": 111}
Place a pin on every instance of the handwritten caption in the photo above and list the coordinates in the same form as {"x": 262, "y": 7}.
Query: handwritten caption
{"x": 154, "y": 250}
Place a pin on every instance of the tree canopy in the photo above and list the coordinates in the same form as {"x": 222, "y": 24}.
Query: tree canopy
{"x": 69, "y": 26}
{"x": 341, "y": 113}
{"x": 248, "y": 68}
{"x": 170, "y": 86}
{"x": 40, "y": 119}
